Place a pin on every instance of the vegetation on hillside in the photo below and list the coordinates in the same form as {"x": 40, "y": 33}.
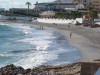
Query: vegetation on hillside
{"x": 70, "y": 15}
{"x": 20, "y": 13}
{"x": 91, "y": 11}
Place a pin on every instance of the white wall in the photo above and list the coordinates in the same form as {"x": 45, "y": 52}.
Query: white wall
{"x": 59, "y": 21}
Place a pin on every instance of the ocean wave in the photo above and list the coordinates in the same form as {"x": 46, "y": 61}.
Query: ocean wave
{"x": 5, "y": 28}
{"x": 39, "y": 43}
{"x": 36, "y": 47}
{"x": 26, "y": 32}
{"x": 36, "y": 59}
{"x": 39, "y": 58}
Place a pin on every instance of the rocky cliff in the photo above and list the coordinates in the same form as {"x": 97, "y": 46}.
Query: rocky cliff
{"x": 79, "y": 68}
{"x": 71, "y": 69}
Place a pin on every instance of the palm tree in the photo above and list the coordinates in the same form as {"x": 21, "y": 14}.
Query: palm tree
{"x": 28, "y": 4}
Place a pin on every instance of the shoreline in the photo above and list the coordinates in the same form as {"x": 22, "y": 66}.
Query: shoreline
{"x": 89, "y": 50}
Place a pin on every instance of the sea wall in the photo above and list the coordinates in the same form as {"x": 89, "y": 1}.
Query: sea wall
{"x": 89, "y": 68}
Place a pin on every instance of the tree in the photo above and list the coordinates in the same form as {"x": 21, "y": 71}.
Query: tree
{"x": 91, "y": 10}
{"x": 28, "y": 4}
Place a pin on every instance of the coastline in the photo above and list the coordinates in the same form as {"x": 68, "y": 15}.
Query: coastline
{"x": 81, "y": 39}
{"x": 88, "y": 48}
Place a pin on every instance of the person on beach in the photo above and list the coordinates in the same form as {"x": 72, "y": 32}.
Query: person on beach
{"x": 70, "y": 35}
{"x": 69, "y": 25}
{"x": 41, "y": 26}
{"x": 55, "y": 24}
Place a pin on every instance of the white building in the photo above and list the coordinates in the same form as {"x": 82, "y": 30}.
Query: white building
{"x": 59, "y": 5}
{"x": 54, "y": 6}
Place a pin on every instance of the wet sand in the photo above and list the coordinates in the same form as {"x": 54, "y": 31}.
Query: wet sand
{"x": 85, "y": 39}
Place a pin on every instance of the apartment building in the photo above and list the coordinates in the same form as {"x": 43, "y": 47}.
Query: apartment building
{"x": 96, "y": 4}
{"x": 54, "y": 6}
{"x": 59, "y": 5}
{"x": 84, "y": 2}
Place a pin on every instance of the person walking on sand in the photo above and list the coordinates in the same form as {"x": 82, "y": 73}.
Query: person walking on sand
{"x": 70, "y": 35}
{"x": 42, "y": 26}
{"x": 69, "y": 25}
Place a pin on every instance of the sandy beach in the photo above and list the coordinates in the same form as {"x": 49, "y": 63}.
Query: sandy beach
{"x": 85, "y": 39}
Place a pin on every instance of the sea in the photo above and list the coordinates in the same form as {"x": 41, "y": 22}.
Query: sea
{"x": 30, "y": 46}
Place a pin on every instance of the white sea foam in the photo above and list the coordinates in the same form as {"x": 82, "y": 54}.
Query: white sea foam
{"x": 43, "y": 44}
{"x": 21, "y": 27}
{"x": 39, "y": 58}
{"x": 39, "y": 43}
{"x": 36, "y": 59}
{"x": 26, "y": 32}
{"x": 25, "y": 29}
{"x": 1, "y": 55}
{"x": 41, "y": 40}
{"x": 2, "y": 24}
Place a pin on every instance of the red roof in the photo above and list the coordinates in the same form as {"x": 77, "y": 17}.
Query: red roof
{"x": 86, "y": 17}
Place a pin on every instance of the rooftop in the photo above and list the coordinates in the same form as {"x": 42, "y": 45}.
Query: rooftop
{"x": 55, "y": 4}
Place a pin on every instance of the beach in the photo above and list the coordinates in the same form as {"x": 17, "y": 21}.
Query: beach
{"x": 85, "y": 39}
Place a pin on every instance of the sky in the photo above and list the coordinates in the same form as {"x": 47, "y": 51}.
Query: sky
{"x": 18, "y": 3}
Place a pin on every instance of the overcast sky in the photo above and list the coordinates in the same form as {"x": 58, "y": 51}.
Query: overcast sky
{"x": 18, "y": 3}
